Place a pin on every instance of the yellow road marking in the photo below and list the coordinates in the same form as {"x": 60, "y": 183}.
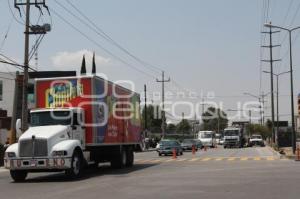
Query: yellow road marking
{"x": 193, "y": 159}
{"x": 231, "y": 159}
{"x": 145, "y": 161}
{"x": 206, "y": 159}
{"x": 219, "y": 159}
{"x": 257, "y": 158}
{"x": 270, "y": 158}
{"x": 170, "y": 160}
{"x": 244, "y": 158}
{"x": 155, "y": 161}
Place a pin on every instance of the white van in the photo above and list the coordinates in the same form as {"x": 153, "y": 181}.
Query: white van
{"x": 207, "y": 138}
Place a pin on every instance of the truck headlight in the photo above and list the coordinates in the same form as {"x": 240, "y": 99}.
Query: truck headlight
{"x": 59, "y": 153}
{"x": 10, "y": 154}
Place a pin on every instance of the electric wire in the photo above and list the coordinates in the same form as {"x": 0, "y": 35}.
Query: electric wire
{"x": 99, "y": 45}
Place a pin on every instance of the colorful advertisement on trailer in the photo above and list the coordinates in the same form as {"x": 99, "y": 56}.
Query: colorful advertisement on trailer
{"x": 112, "y": 113}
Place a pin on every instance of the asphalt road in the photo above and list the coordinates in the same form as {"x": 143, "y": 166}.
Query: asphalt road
{"x": 216, "y": 173}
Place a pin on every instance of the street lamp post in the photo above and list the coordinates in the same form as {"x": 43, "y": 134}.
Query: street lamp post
{"x": 261, "y": 101}
{"x": 277, "y": 96}
{"x": 239, "y": 110}
{"x": 291, "y": 79}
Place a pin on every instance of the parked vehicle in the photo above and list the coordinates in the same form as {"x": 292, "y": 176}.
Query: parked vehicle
{"x": 77, "y": 121}
{"x": 256, "y": 140}
{"x": 198, "y": 144}
{"x": 221, "y": 141}
{"x": 207, "y": 138}
{"x": 218, "y": 137}
{"x": 188, "y": 144}
{"x": 166, "y": 147}
{"x": 234, "y": 137}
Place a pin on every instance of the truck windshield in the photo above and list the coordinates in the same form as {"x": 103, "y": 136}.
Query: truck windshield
{"x": 206, "y": 135}
{"x": 46, "y": 118}
{"x": 256, "y": 137}
{"x": 231, "y": 132}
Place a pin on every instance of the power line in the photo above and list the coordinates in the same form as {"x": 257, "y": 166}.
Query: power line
{"x": 102, "y": 34}
{"x": 13, "y": 14}
{"x": 99, "y": 45}
{"x": 112, "y": 41}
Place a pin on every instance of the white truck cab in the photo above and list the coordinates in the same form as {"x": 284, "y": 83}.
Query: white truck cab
{"x": 207, "y": 138}
{"x": 55, "y": 140}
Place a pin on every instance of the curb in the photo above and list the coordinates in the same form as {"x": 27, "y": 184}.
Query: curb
{"x": 276, "y": 153}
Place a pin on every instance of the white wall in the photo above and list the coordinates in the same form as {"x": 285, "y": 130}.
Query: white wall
{"x": 8, "y": 92}
{"x": 3, "y": 135}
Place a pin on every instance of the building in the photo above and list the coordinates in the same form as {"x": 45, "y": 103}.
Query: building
{"x": 7, "y": 87}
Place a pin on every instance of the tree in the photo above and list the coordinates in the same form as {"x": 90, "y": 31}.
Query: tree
{"x": 171, "y": 128}
{"x": 214, "y": 119}
{"x": 153, "y": 119}
{"x": 183, "y": 127}
{"x": 264, "y": 131}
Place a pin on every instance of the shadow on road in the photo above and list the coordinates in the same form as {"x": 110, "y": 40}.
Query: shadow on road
{"x": 90, "y": 172}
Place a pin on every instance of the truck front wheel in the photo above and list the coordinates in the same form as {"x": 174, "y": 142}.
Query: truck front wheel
{"x": 76, "y": 166}
{"x": 18, "y": 175}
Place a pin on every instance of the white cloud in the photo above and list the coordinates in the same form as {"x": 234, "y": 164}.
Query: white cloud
{"x": 72, "y": 60}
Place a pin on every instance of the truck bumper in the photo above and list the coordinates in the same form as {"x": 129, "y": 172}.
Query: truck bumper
{"x": 38, "y": 163}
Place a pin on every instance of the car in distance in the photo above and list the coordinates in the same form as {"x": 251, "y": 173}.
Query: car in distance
{"x": 207, "y": 138}
{"x": 256, "y": 140}
{"x": 221, "y": 141}
{"x": 166, "y": 147}
{"x": 187, "y": 144}
{"x": 218, "y": 137}
{"x": 198, "y": 143}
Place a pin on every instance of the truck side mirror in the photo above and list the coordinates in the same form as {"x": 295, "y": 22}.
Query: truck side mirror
{"x": 18, "y": 128}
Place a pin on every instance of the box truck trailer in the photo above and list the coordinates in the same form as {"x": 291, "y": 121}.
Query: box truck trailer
{"x": 77, "y": 121}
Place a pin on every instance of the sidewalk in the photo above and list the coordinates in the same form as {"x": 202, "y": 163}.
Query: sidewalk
{"x": 287, "y": 152}
{"x": 3, "y": 170}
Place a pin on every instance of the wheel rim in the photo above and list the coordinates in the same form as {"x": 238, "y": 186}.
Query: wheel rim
{"x": 76, "y": 165}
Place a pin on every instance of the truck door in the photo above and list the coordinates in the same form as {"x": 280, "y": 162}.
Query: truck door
{"x": 78, "y": 129}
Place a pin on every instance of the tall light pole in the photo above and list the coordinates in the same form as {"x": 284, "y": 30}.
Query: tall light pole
{"x": 261, "y": 101}
{"x": 291, "y": 78}
{"x": 277, "y": 97}
{"x": 239, "y": 110}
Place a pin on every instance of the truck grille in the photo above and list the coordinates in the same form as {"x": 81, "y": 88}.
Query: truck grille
{"x": 40, "y": 148}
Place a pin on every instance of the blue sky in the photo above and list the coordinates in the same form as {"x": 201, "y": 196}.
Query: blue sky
{"x": 205, "y": 46}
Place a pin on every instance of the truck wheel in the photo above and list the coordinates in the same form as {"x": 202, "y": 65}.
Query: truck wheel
{"x": 119, "y": 161}
{"x": 76, "y": 166}
{"x": 18, "y": 175}
{"x": 130, "y": 157}
{"x": 224, "y": 146}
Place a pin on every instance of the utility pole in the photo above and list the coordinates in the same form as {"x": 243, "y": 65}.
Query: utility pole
{"x": 250, "y": 117}
{"x": 145, "y": 109}
{"x": 271, "y": 60}
{"x": 34, "y": 30}
{"x": 163, "y": 80}
{"x": 25, "y": 75}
